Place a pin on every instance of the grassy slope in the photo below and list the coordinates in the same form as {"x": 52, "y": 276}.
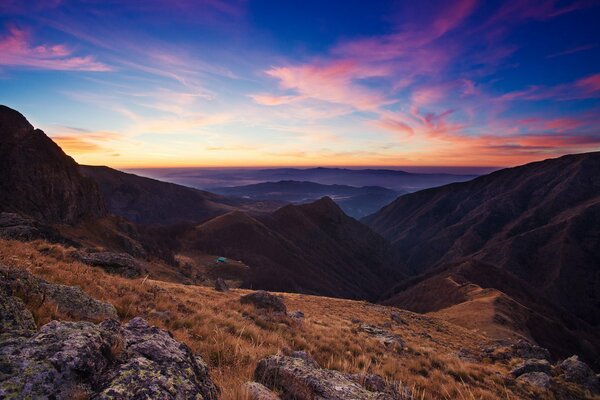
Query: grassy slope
{"x": 232, "y": 337}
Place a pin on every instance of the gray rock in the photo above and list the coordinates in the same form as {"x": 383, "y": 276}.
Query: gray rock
{"x": 118, "y": 263}
{"x": 296, "y": 315}
{"x": 385, "y": 337}
{"x": 299, "y": 380}
{"x": 256, "y": 391}
{"x": 221, "y": 285}
{"x": 17, "y": 227}
{"x": 264, "y": 300}
{"x": 14, "y": 317}
{"x": 576, "y": 371}
{"x": 108, "y": 361}
{"x": 528, "y": 366}
{"x": 520, "y": 349}
{"x": 538, "y": 379}
{"x": 69, "y": 299}
{"x": 375, "y": 383}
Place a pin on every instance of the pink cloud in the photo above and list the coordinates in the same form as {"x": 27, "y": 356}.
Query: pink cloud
{"x": 332, "y": 82}
{"x": 266, "y": 99}
{"x": 17, "y": 51}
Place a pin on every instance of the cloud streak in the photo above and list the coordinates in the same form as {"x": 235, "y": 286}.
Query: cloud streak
{"x": 18, "y": 50}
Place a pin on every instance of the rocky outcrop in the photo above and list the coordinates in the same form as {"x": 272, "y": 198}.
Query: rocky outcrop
{"x": 385, "y": 337}
{"x": 531, "y": 366}
{"x": 521, "y": 349}
{"x": 265, "y": 301}
{"x": 105, "y": 361}
{"x": 298, "y": 379}
{"x": 69, "y": 299}
{"x": 575, "y": 371}
{"x": 14, "y": 317}
{"x": 540, "y": 380}
{"x": 38, "y": 179}
{"x": 17, "y": 227}
{"x": 221, "y": 285}
{"x": 116, "y": 263}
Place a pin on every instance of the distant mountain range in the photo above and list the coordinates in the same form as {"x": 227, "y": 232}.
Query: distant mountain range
{"x": 208, "y": 178}
{"x": 357, "y": 202}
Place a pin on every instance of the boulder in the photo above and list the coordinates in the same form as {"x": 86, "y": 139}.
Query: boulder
{"x": 256, "y": 391}
{"x": 17, "y": 227}
{"x": 299, "y": 380}
{"x": 104, "y": 361}
{"x": 385, "y": 337}
{"x": 264, "y": 300}
{"x": 528, "y": 366}
{"x": 576, "y": 371}
{"x": 221, "y": 285}
{"x": 540, "y": 380}
{"x": 69, "y": 299}
{"x": 507, "y": 350}
{"x": 118, "y": 263}
{"x": 14, "y": 317}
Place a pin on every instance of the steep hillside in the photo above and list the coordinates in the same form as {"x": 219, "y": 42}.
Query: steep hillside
{"x": 146, "y": 200}
{"x": 540, "y": 221}
{"x": 431, "y": 358}
{"x": 38, "y": 179}
{"x": 312, "y": 248}
{"x": 481, "y": 296}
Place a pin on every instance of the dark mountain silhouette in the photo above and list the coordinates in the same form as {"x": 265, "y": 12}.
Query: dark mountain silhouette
{"x": 38, "y": 179}
{"x": 148, "y": 201}
{"x": 357, "y": 202}
{"x": 516, "y": 252}
{"x": 540, "y": 222}
{"x": 311, "y": 248}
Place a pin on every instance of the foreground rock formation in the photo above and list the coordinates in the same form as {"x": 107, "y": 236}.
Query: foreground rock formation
{"x": 118, "y": 263}
{"x": 65, "y": 360}
{"x": 302, "y": 379}
{"x": 70, "y": 300}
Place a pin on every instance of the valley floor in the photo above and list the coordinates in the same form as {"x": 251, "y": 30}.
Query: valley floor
{"x": 437, "y": 360}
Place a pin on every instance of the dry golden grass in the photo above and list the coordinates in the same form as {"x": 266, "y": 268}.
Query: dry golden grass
{"x": 232, "y": 337}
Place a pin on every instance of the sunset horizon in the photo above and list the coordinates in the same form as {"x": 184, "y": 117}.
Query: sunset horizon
{"x": 246, "y": 84}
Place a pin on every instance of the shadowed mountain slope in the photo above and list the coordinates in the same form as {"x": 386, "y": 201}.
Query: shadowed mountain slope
{"x": 540, "y": 221}
{"x": 149, "y": 201}
{"x": 481, "y": 296}
{"x": 38, "y": 179}
{"x": 312, "y": 248}
{"x": 146, "y": 200}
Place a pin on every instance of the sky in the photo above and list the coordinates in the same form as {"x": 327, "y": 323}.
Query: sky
{"x": 215, "y": 83}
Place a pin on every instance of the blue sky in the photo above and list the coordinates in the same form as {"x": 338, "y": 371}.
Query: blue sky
{"x": 268, "y": 83}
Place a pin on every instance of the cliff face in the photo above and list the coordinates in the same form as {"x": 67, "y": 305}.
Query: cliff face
{"x": 38, "y": 179}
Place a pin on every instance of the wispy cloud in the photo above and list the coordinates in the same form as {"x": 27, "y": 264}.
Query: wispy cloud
{"x": 18, "y": 50}
{"x": 572, "y": 50}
